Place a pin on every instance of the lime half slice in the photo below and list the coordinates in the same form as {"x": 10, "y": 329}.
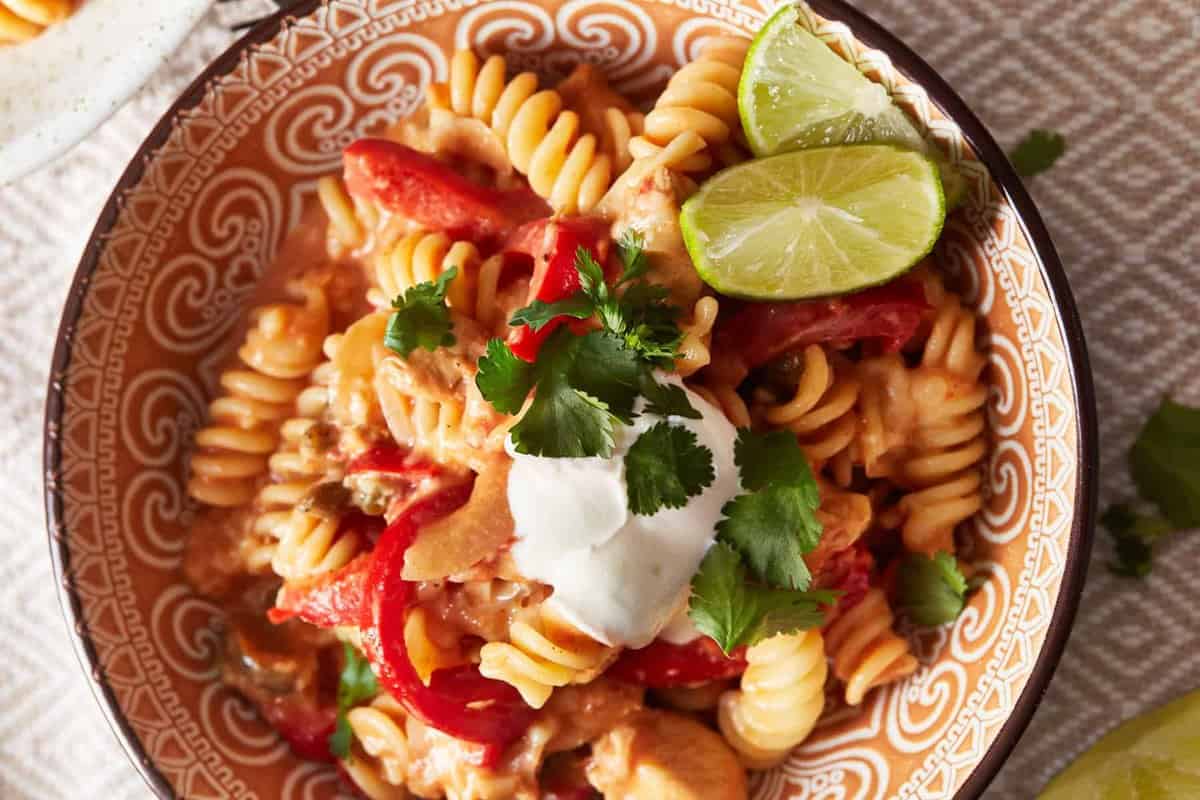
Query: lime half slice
{"x": 795, "y": 93}
{"x": 1151, "y": 757}
{"x": 814, "y": 222}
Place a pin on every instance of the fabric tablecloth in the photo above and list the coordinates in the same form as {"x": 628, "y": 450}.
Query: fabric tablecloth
{"x": 1118, "y": 79}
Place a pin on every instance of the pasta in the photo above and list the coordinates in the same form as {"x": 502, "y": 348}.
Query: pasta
{"x": 781, "y": 696}
{"x": 279, "y": 351}
{"x": 524, "y": 524}
{"x": 21, "y": 20}
{"x": 866, "y": 652}
{"x": 543, "y": 141}
{"x": 536, "y": 660}
{"x": 700, "y": 97}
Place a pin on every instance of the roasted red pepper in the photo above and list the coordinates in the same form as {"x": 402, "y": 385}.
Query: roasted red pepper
{"x": 847, "y": 571}
{"x": 392, "y": 460}
{"x": 758, "y": 332}
{"x": 555, "y": 276}
{"x": 445, "y": 703}
{"x": 430, "y": 193}
{"x": 328, "y": 600}
{"x": 306, "y": 729}
{"x": 662, "y": 665}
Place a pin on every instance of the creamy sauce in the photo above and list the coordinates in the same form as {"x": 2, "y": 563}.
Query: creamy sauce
{"x": 618, "y": 576}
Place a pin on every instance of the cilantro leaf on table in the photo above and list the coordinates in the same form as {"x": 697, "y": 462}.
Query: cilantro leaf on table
{"x": 664, "y": 467}
{"x": 421, "y": 318}
{"x": 1165, "y": 461}
{"x": 356, "y": 685}
{"x": 735, "y": 612}
{"x": 774, "y": 457}
{"x": 1134, "y": 536}
{"x": 931, "y": 589}
{"x": 503, "y": 378}
{"x": 666, "y": 399}
{"x": 774, "y": 523}
{"x": 1037, "y": 152}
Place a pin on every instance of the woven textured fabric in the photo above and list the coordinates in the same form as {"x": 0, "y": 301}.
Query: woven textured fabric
{"x": 1116, "y": 79}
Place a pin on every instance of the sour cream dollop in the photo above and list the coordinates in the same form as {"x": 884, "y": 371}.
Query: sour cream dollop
{"x": 617, "y": 576}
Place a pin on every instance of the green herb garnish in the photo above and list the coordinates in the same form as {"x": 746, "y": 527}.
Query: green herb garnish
{"x": 356, "y": 685}
{"x": 1037, "y": 152}
{"x": 420, "y": 317}
{"x": 932, "y": 590}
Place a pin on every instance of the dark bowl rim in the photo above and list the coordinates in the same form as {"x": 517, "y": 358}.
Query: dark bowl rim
{"x": 866, "y": 30}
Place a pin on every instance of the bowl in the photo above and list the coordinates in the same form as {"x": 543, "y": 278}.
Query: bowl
{"x": 224, "y": 175}
{"x": 58, "y": 87}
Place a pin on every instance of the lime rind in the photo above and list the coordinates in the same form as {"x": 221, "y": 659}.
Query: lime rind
{"x": 813, "y": 223}
{"x": 796, "y": 93}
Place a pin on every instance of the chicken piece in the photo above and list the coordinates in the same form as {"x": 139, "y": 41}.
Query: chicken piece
{"x": 665, "y": 756}
{"x": 586, "y": 92}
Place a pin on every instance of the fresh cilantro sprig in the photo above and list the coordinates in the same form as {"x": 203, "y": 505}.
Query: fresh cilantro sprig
{"x": 754, "y": 583}
{"x": 420, "y": 317}
{"x": 931, "y": 589}
{"x": 664, "y": 467}
{"x": 1037, "y": 152}
{"x": 774, "y": 523}
{"x": 735, "y": 611}
{"x": 1165, "y": 462}
{"x": 356, "y": 685}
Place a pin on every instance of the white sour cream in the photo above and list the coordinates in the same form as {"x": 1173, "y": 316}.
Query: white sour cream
{"x": 618, "y": 576}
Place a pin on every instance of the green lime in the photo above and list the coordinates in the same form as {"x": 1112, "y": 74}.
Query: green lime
{"x": 795, "y": 93}
{"x": 814, "y": 222}
{"x": 1152, "y": 756}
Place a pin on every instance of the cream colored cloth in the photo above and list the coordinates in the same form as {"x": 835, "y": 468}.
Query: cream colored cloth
{"x": 1117, "y": 79}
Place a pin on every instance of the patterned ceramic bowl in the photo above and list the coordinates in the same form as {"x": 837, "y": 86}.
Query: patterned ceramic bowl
{"x": 203, "y": 207}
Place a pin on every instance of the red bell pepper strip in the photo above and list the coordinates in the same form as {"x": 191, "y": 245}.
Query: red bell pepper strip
{"x": 305, "y": 729}
{"x": 430, "y": 193}
{"x": 847, "y": 571}
{"x": 662, "y": 665}
{"x": 759, "y": 332}
{"x": 444, "y": 703}
{"x": 393, "y": 460}
{"x": 328, "y": 600}
{"x": 555, "y": 276}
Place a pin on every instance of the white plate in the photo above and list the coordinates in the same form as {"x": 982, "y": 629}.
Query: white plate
{"x": 55, "y": 89}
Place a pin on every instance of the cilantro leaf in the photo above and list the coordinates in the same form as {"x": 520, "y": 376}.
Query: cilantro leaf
{"x": 735, "y": 613}
{"x": 538, "y": 313}
{"x": 1165, "y": 461}
{"x": 591, "y": 275}
{"x": 503, "y": 379}
{"x": 932, "y": 590}
{"x": 773, "y": 458}
{"x": 356, "y": 685}
{"x": 631, "y": 249}
{"x": 1134, "y": 536}
{"x": 666, "y": 399}
{"x": 773, "y": 528}
{"x": 421, "y": 318}
{"x": 665, "y": 467}
{"x": 583, "y": 383}
{"x": 1037, "y": 152}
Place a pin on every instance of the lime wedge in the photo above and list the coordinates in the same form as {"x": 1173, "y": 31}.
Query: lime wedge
{"x": 1155, "y": 755}
{"x": 795, "y": 93}
{"x": 814, "y": 222}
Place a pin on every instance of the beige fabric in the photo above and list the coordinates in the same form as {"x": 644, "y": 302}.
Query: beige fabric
{"x": 1117, "y": 79}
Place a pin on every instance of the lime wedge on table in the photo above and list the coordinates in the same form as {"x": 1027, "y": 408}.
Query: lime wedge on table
{"x": 814, "y": 222}
{"x": 1152, "y": 756}
{"x": 797, "y": 93}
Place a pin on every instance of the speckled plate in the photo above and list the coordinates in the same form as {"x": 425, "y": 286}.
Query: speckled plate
{"x": 204, "y": 206}
{"x": 55, "y": 89}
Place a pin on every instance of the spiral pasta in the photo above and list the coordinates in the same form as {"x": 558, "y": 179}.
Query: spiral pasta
{"x": 822, "y": 412}
{"x": 949, "y": 439}
{"x": 543, "y": 140}
{"x": 866, "y": 652}
{"x": 620, "y": 128}
{"x": 379, "y": 769}
{"x": 781, "y": 695}
{"x": 700, "y": 97}
{"x": 725, "y": 397}
{"x": 536, "y": 660}
{"x": 694, "y": 354}
{"x": 282, "y": 347}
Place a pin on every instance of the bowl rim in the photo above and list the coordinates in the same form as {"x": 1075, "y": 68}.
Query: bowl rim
{"x": 866, "y": 30}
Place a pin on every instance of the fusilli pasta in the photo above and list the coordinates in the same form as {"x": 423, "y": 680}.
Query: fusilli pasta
{"x": 536, "y": 660}
{"x": 781, "y": 695}
{"x": 379, "y": 769}
{"x": 694, "y": 352}
{"x": 866, "y": 652}
{"x": 282, "y": 347}
{"x": 543, "y": 141}
{"x": 701, "y": 97}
